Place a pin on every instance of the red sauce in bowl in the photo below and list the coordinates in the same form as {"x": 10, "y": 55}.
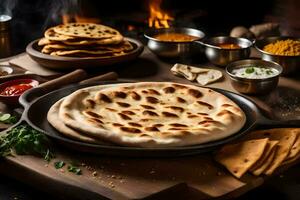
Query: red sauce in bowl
{"x": 16, "y": 89}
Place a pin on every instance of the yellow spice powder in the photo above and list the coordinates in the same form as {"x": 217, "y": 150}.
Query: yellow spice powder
{"x": 284, "y": 48}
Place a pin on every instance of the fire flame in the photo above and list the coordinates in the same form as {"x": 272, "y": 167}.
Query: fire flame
{"x": 158, "y": 18}
{"x": 68, "y": 18}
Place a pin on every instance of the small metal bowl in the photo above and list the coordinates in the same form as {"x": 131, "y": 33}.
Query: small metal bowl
{"x": 222, "y": 57}
{"x": 253, "y": 86}
{"x": 170, "y": 49}
{"x": 290, "y": 64}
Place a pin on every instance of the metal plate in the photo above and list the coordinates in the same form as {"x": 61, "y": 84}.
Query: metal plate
{"x": 36, "y": 115}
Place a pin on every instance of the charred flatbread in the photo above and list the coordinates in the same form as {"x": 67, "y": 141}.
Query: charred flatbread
{"x": 152, "y": 114}
{"x": 86, "y": 30}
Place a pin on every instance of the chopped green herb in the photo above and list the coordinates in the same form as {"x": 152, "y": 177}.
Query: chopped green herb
{"x": 249, "y": 70}
{"x": 74, "y": 169}
{"x": 59, "y": 164}
{"x": 8, "y": 118}
{"x": 25, "y": 140}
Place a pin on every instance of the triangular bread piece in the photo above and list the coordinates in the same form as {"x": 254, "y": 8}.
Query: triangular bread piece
{"x": 240, "y": 157}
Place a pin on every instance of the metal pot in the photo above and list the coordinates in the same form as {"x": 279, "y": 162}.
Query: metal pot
{"x": 170, "y": 49}
{"x": 222, "y": 57}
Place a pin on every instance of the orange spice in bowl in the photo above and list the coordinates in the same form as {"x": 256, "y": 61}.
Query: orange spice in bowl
{"x": 287, "y": 47}
{"x": 229, "y": 46}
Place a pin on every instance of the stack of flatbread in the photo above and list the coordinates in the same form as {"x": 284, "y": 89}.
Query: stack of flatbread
{"x": 262, "y": 152}
{"x": 84, "y": 40}
{"x": 146, "y": 114}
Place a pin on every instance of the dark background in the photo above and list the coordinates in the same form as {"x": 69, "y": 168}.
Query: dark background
{"x": 214, "y": 17}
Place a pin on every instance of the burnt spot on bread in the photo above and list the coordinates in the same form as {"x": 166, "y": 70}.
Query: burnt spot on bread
{"x": 97, "y": 120}
{"x": 178, "y": 125}
{"x": 195, "y": 93}
{"x": 208, "y": 118}
{"x": 134, "y": 124}
{"x": 152, "y": 129}
{"x": 225, "y": 112}
{"x": 168, "y": 114}
{"x": 152, "y": 100}
{"x": 135, "y": 96}
{"x": 181, "y": 100}
{"x": 158, "y": 125}
{"x": 111, "y": 109}
{"x": 192, "y": 116}
{"x": 117, "y": 124}
{"x": 147, "y": 107}
{"x": 123, "y": 116}
{"x": 169, "y": 90}
{"x": 185, "y": 132}
{"x": 154, "y": 92}
{"x": 226, "y": 105}
{"x": 204, "y": 114}
{"x": 119, "y": 94}
{"x": 122, "y": 104}
{"x": 145, "y": 92}
{"x": 206, "y": 122}
{"x": 91, "y": 103}
{"x": 150, "y": 113}
{"x": 179, "y": 86}
{"x": 127, "y": 112}
{"x": 104, "y": 98}
{"x": 205, "y": 104}
{"x": 130, "y": 129}
{"x": 175, "y": 108}
{"x": 92, "y": 114}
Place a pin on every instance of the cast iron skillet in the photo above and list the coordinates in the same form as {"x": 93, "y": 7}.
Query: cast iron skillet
{"x": 35, "y": 114}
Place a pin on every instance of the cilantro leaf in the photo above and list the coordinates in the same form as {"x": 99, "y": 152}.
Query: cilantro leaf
{"x": 59, "y": 164}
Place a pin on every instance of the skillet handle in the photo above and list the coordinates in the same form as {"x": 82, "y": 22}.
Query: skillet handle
{"x": 72, "y": 77}
{"x": 264, "y": 122}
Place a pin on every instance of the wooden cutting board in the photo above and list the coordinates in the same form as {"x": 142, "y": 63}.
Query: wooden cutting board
{"x": 196, "y": 177}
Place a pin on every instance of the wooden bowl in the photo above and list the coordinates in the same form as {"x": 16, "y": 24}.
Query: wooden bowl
{"x": 63, "y": 62}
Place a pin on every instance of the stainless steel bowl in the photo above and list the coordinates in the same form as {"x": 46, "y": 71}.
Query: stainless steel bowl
{"x": 290, "y": 64}
{"x": 222, "y": 57}
{"x": 253, "y": 86}
{"x": 174, "y": 49}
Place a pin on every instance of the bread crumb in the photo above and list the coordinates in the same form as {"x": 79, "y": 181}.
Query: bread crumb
{"x": 95, "y": 173}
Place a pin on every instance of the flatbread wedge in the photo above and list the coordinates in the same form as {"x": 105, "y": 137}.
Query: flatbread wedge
{"x": 240, "y": 157}
{"x": 286, "y": 137}
{"x": 257, "y": 168}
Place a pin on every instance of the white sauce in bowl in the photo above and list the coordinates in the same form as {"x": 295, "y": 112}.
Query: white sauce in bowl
{"x": 252, "y": 72}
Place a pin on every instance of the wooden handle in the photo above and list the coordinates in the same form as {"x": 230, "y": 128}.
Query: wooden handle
{"x": 71, "y": 77}
{"x": 104, "y": 77}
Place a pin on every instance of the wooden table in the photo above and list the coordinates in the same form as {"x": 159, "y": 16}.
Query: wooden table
{"x": 196, "y": 177}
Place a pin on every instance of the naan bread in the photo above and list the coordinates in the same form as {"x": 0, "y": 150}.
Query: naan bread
{"x": 56, "y": 122}
{"x": 124, "y": 46}
{"x": 86, "y": 30}
{"x": 152, "y": 114}
{"x": 50, "y": 34}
